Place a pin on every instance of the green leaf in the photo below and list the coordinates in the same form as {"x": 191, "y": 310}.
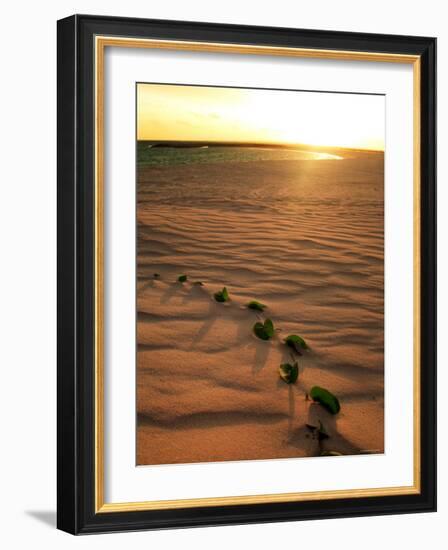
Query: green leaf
{"x": 289, "y": 373}
{"x": 297, "y": 343}
{"x": 260, "y": 332}
{"x": 326, "y": 399}
{"x": 182, "y": 278}
{"x": 269, "y": 328}
{"x": 222, "y": 295}
{"x": 264, "y": 331}
{"x": 257, "y": 306}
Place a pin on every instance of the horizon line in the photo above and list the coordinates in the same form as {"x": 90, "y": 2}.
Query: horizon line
{"x": 258, "y": 144}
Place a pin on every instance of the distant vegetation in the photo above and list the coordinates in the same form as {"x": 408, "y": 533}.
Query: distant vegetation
{"x": 178, "y": 153}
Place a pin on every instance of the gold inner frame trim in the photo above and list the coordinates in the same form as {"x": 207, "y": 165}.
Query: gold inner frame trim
{"x": 101, "y": 42}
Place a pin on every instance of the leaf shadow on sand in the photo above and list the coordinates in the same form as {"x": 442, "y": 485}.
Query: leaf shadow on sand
{"x": 145, "y": 285}
{"x": 291, "y": 409}
{"x": 174, "y": 289}
{"x": 211, "y": 317}
{"x": 195, "y": 291}
{"x": 262, "y": 351}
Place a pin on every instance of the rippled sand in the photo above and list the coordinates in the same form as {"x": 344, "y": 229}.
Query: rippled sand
{"x": 303, "y": 237}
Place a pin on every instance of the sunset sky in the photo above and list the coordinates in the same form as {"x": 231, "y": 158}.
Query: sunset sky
{"x": 195, "y": 113}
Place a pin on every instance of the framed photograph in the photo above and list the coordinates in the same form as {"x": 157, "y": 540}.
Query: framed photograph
{"x": 246, "y": 274}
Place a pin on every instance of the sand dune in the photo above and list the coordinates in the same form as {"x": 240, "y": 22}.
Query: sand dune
{"x": 303, "y": 237}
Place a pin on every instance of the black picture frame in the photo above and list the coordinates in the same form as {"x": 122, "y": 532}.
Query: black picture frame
{"x": 76, "y": 255}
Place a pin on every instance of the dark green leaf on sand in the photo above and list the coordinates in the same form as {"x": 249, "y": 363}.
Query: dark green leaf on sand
{"x": 257, "y": 306}
{"x": 264, "y": 331}
{"x": 269, "y": 327}
{"x": 326, "y": 399}
{"x": 289, "y": 373}
{"x": 222, "y": 295}
{"x": 182, "y": 278}
{"x": 297, "y": 343}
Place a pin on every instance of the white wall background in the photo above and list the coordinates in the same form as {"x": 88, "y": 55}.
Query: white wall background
{"x": 28, "y": 271}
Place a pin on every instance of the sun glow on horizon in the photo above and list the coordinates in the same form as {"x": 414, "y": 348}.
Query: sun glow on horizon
{"x": 202, "y": 113}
